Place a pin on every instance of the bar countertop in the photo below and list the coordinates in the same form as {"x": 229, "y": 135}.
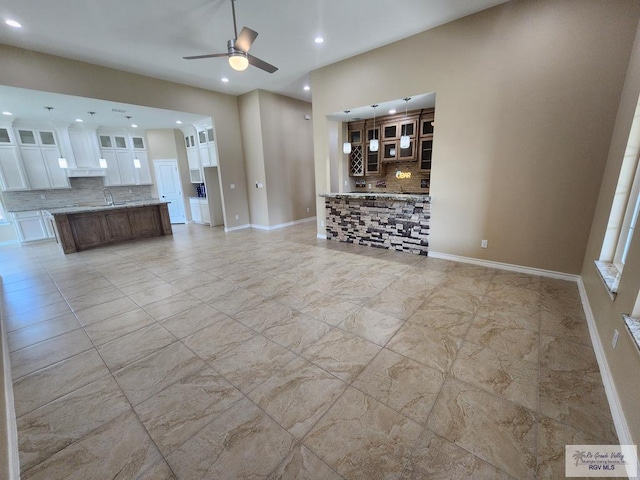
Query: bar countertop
{"x": 409, "y": 197}
{"x": 79, "y": 208}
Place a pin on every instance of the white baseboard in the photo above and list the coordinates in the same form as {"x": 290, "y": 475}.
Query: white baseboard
{"x": 322, "y": 236}
{"x": 506, "y": 266}
{"x": 9, "y": 460}
{"x": 9, "y": 242}
{"x": 619, "y": 420}
{"x": 239, "y": 227}
{"x": 283, "y": 225}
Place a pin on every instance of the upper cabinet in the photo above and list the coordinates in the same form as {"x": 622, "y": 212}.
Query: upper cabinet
{"x": 12, "y": 175}
{"x": 201, "y": 149}
{"x": 126, "y": 157}
{"x": 34, "y": 165}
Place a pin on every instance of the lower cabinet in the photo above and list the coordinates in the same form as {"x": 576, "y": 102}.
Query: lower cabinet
{"x": 32, "y": 226}
{"x": 200, "y": 210}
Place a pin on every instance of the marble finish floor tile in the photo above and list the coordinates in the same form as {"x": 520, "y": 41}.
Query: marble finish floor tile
{"x": 436, "y": 458}
{"x": 506, "y": 337}
{"x": 297, "y": 395}
{"x": 496, "y": 430}
{"x": 117, "y": 326}
{"x": 496, "y": 372}
{"x": 144, "y": 378}
{"x": 402, "y": 384}
{"x": 330, "y": 311}
{"x": 43, "y": 354}
{"x": 176, "y": 413}
{"x": 51, "y": 428}
{"x": 193, "y": 320}
{"x": 118, "y": 449}
{"x": 443, "y": 319}
{"x": 426, "y": 345}
{"x": 241, "y": 443}
{"x": 302, "y": 464}
{"x": 241, "y": 364}
{"x": 134, "y": 346}
{"x": 360, "y": 438}
{"x": 105, "y": 310}
{"x": 213, "y": 341}
{"x": 251, "y": 362}
{"x": 296, "y": 332}
{"x": 42, "y": 331}
{"x": 341, "y": 354}
{"x": 39, "y": 388}
{"x": 372, "y": 325}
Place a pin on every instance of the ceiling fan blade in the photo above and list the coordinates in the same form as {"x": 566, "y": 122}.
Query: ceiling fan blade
{"x": 245, "y": 39}
{"x": 256, "y": 62}
{"x": 211, "y": 55}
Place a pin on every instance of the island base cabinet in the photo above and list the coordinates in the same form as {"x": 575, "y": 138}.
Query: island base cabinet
{"x": 82, "y": 231}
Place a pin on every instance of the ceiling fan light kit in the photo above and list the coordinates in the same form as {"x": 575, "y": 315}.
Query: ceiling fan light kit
{"x": 238, "y": 49}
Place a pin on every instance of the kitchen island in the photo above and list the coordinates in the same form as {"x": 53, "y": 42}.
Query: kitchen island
{"x": 81, "y": 227}
{"x": 396, "y": 221}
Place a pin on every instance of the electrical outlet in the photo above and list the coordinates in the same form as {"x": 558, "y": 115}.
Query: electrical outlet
{"x": 614, "y": 341}
{"x": 346, "y": 183}
{"x": 237, "y": 217}
{"x": 43, "y": 197}
{"x": 369, "y": 185}
{"x": 322, "y": 223}
{"x": 232, "y": 186}
{"x": 307, "y": 209}
{"x": 484, "y": 244}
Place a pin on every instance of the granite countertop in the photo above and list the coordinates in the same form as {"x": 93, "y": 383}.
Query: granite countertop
{"x": 99, "y": 207}
{"x": 380, "y": 196}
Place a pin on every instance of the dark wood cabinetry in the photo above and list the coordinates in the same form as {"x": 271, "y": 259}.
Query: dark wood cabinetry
{"x": 84, "y": 230}
{"x": 417, "y": 125}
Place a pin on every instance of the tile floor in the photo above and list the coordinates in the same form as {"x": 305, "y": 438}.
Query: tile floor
{"x": 276, "y": 355}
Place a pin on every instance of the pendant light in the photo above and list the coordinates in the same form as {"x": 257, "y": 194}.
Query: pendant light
{"x": 62, "y": 162}
{"x": 346, "y": 146}
{"x": 405, "y": 142}
{"x": 101, "y": 161}
{"x": 373, "y": 145}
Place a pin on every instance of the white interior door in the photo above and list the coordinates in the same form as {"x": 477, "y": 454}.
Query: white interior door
{"x": 169, "y": 188}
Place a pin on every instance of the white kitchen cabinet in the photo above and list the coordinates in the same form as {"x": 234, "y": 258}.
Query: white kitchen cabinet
{"x": 120, "y": 150}
{"x": 32, "y": 226}
{"x": 12, "y": 176}
{"x": 42, "y": 168}
{"x": 200, "y": 210}
{"x": 143, "y": 174}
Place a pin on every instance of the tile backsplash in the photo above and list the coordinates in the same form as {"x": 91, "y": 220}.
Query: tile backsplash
{"x": 83, "y": 190}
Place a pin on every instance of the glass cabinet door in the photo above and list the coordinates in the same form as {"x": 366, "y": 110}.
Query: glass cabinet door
{"x": 408, "y": 128}
{"x": 390, "y": 131}
{"x": 373, "y": 161}
{"x": 389, "y": 151}
{"x": 426, "y": 148}
{"x": 408, "y": 153}
{"x": 426, "y": 126}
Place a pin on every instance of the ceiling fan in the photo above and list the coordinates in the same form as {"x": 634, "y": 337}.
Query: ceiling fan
{"x": 238, "y": 48}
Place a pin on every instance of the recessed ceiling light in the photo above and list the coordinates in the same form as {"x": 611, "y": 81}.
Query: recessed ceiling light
{"x": 79, "y": 120}
{"x": 13, "y": 23}
{"x": 7, "y": 113}
{"x": 133, "y": 125}
{"x": 318, "y": 40}
{"x": 224, "y": 79}
{"x": 179, "y": 122}
{"x": 307, "y": 87}
{"x": 392, "y": 111}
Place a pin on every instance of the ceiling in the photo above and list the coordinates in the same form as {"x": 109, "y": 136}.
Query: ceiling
{"x": 150, "y": 37}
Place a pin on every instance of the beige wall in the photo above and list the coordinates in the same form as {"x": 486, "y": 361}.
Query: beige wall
{"x": 27, "y": 69}
{"x": 252, "y": 142}
{"x": 278, "y": 145}
{"x": 624, "y": 361}
{"x": 527, "y": 94}
{"x": 167, "y": 144}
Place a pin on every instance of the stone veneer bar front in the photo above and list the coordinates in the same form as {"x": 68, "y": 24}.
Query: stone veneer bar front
{"x": 384, "y": 220}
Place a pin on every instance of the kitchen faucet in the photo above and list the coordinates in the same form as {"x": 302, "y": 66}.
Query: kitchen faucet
{"x": 106, "y": 191}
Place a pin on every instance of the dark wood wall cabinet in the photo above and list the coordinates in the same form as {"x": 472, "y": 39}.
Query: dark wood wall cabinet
{"x": 417, "y": 125}
{"x": 77, "y": 231}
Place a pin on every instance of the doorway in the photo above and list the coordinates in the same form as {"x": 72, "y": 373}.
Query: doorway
{"x": 170, "y": 188}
